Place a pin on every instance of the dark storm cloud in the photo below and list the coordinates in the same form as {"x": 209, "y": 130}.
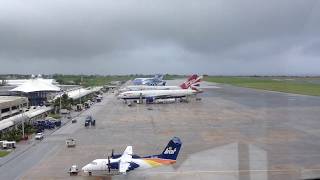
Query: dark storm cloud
{"x": 176, "y": 36}
{"x": 313, "y": 48}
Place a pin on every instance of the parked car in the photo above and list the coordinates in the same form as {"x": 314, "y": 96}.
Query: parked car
{"x": 39, "y": 136}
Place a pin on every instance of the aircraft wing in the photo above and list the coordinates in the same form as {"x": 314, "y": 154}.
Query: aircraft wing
{"x": 125, "y": 160}
{"x": 123, "y": 167}
{"x": 128, "y": 151}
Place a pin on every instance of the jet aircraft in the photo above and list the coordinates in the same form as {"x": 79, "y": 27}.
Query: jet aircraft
{"x": 152, "y": 95}
{"x": 193, "y": 80}
{"x": 155, "y": 81}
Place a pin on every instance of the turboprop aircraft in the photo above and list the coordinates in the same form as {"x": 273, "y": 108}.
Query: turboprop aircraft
{"x": 121, "y": 164}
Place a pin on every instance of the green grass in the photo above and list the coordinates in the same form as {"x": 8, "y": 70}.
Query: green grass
{"x": 4, "y": 153}
{"x": 267, "y": 83}
{"x": 55, "y": 116}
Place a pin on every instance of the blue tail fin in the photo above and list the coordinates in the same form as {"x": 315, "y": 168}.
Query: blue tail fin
{"x": 172, "y": 149}
{"x": 158, "y": 76}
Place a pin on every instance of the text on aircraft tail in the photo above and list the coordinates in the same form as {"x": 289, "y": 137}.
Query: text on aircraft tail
{"x": 172, "y": 149}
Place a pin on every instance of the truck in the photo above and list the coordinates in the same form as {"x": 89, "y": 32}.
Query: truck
{"x": 70, "y": 142}
{"x": 99, "y": 99}
{"x": 7, "y": 144}
{"x": 73, "y": 170}
{"x": 79, "y": 107}
{"x": 89, "y": 121}
{"x": 87, "y": 105}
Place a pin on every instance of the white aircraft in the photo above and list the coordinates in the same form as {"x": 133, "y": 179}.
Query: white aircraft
{"x": 192, "y": 80}
{"x": 155, "y": 81}
{"x": 121, "y": 164}
{"x": 152, "y": 95}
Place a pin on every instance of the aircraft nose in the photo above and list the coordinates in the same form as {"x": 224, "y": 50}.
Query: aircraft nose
{"x": 85, "y": 168}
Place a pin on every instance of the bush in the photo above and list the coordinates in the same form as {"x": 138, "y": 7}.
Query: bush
{"x": 12, "y": 135}
{"x": 29, "y": 129}
{"x": 56, "y": 116}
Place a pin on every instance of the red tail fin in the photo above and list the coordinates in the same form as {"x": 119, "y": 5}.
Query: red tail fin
{"x": 192, "y": 80}
{"x": 196, "y": 89}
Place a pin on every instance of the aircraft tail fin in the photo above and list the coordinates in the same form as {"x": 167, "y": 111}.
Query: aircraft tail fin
{"x": 196, "y": 89}
{"x": 159, "y": 76}
{"x": 172, "y": 149}
{"x": 193, "y": 80}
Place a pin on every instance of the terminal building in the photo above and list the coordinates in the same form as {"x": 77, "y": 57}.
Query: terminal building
{"x": 12, "y": 105}
{"x": 36, "y": 90}
{"x": 24, "y": 103}
{"x": 24, "y": 100}
{"x": 15, "y": 110}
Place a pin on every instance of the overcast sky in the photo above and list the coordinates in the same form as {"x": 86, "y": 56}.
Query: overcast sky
{"x": 224, "y": 37}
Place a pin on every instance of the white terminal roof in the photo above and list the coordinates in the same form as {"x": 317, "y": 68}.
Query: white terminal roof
{"x": 35, "y": 85}
{"x": 80, "y": 92}
{"x": 76, "y": 94}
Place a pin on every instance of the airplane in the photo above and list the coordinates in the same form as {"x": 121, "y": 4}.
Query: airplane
{"x": 121, "y": 164}
{"x": 155, "y": 81}
{"x": 152, "y": 95}
{"x": 192, "y": 80}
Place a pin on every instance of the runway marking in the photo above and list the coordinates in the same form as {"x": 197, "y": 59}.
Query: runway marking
{"x": 236, "y": 171}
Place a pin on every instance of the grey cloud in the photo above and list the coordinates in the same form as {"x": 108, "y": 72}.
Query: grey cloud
{"x": 313, "y": 48}
{"x": 141, "y": 36}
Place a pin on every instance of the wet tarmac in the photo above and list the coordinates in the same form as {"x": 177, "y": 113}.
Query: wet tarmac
{"x": 233, "y": 133}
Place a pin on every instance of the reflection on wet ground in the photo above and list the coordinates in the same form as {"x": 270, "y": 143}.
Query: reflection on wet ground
{"x": 233, "y": 133}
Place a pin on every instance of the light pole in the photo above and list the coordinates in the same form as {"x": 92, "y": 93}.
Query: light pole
{"x": 23, "y": 118}
{"x": 79, "y": 95}
{"x": 60, "y": 103}
{"x": 22, "y": 127}
{"x": 80, "y": 87}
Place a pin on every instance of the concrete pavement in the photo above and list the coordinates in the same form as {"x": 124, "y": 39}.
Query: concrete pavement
{"x": 233, "y": 133}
